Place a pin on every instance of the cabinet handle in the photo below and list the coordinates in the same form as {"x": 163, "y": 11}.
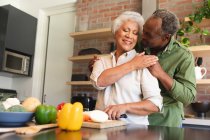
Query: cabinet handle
{"x": 25, "y": 65}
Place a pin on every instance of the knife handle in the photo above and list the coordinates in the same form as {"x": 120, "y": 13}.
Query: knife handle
{"x": 123, "y": 116}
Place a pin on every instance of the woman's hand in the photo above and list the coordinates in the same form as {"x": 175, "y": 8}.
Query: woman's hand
{"x": 114, "y": 111}
{"x": 143, "y": 61}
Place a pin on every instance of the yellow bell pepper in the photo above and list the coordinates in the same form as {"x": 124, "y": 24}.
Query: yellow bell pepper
{"x": 71, "y": 117}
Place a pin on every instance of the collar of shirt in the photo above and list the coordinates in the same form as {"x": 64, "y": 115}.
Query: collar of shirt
{"x": 123, "y": 58}
{"x": 166, "y": 50}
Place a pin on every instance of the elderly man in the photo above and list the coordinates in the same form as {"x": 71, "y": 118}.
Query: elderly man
{"x": 175, "y": 70}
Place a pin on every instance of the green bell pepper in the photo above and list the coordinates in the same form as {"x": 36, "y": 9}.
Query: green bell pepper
{"x": 45, "y": 114}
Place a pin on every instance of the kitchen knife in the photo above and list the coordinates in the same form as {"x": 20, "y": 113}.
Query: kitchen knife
{"x": 123, "y": 116}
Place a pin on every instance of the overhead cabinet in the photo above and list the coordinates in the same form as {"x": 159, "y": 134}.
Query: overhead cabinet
{"x": 17, "y": 32}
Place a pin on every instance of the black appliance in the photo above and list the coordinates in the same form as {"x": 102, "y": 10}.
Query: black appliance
{"x": 16, "y": 63}
{"x": 201, "y": 108}
{"x": 7, "y": 93}
{"x": 87, "y": 102}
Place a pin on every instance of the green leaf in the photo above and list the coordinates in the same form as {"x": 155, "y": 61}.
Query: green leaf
{"x": 197, "y": 30}
{"x": 189, "y": 29}
{"x": 198, "y": 18}
{"x": 180, "y": 32}
{"x": 185, "y": 41}
{"x": 209, "y": 3}
{"x": 191, "y": 16}
{"x": 205, "y": 32}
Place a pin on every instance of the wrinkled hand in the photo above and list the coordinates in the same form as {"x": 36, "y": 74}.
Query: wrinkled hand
{"x": 114, "y": 111}
{"x": 91, "y": 63}
{"x": 143, "y": 61}
{"x": 156, "y": 70}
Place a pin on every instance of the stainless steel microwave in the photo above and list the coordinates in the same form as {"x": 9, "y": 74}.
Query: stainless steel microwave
{"x": 16, "y": 63}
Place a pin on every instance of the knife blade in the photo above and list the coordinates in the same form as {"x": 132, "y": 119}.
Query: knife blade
{"x": 123, "y": 116}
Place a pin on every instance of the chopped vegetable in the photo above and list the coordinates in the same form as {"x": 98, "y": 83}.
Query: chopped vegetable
{"x": 96, "y": 116}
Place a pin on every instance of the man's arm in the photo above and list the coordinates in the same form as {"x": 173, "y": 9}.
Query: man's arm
{"x": 181, "y": 87}
{"x": 161, "y": 75}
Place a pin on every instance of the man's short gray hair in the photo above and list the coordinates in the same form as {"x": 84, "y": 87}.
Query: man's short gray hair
{"x": 170, "y": 22}
{"x": 125, "y": 16}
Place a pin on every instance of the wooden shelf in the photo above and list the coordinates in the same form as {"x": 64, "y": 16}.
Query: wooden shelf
{"x": 203, "y": 82}
{"x": 202, "y": 50}
{"x": 85, "y": 57}
{"x": 92, "y": 34}
{"x": 79, "y": 83}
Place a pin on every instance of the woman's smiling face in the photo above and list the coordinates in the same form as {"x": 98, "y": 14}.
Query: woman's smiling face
{"x": 126, "y": 36}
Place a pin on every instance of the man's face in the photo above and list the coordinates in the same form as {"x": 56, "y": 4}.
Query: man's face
{"x": 151, "y": 36}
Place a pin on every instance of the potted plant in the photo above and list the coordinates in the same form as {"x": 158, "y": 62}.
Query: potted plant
{"x": 191, "y": 26}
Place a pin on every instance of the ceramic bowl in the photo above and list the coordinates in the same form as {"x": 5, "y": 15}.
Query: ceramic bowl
{"x": 15, "y": 118}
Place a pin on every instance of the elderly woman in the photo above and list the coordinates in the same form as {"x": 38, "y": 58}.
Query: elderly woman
{"x": 134, "y": 90}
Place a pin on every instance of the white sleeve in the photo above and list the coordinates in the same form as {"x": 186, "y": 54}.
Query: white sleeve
{"x": 98, "y": 68}
{"x": 150, "y": 88}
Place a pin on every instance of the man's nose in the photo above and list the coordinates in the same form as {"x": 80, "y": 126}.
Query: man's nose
{"x": 142, "y": 36}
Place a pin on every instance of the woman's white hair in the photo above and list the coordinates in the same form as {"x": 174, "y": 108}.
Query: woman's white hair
{"x": 125, "y": 16}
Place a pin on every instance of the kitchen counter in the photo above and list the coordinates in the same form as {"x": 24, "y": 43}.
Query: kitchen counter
{"x": 129, "y": 132}
{"x": 199, "y": 123}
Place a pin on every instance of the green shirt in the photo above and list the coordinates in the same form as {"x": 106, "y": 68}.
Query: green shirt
{"x": 178, "y": 62}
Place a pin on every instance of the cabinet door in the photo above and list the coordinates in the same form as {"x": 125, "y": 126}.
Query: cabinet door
{"x": 21, "y": 31}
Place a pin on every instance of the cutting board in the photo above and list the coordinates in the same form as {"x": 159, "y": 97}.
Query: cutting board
{"x": 107, "y": 124}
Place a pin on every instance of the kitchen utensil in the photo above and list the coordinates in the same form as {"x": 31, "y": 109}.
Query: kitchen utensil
{"x": 201, "y": 108}
{"x": 29, "y": 129}
{"x": 123, "y": 116}
{"x": 200, "y": 72}
{"x": 79, "y": 77}
{"x": 199, "y": 61}
{"x": 15, "y": 118}
{"x": 89, "y": 51}
{"x": 107, "y": 124}
{"x": 34, "y": 129}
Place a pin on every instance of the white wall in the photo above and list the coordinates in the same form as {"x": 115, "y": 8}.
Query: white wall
{"x": 148, "y": 7}
{"x": 32, "y": 7}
